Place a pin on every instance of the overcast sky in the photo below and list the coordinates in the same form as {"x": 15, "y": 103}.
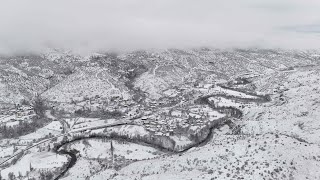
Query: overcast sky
{"x": 99, "y": 25}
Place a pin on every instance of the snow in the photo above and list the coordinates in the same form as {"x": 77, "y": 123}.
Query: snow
{"x": 39, "y": 160}
{"x": 176, "y": 113}
{"x": 171, "y": 92}
{"x": 278, "y": 140}
{"x": 151, "y": 84}
{"x": 224, "y": 102}
{"x": 6, "y": 151}
{"x": 297, "y": 115}
{"x": 54, "y": 125}
{"x": 97, "y": 125}
{"x": 230, "y": 92}
{"x": 83, "y": 83}
{"x": 12, "y": 123}
{"x": 7, "y": 118}
{"x": 182, "y": 140}
{"x": 131, "y": 130}
{"x": 100, "y": 149}
{"x": 90, "y": 122}
{"x": 106, "y": 174}
{"x": 53, "y": 128}
{"x": 215, "y": 114}
{"x": 173, "y": 176}
{"x": 82, "y": 169}
{"x": 252, "y": 155}
{"x": 49, "y": 115}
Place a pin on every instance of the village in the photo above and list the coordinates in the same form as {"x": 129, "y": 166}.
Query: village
{"x": 175, "y": 113}
{"x": 13, "y": 116}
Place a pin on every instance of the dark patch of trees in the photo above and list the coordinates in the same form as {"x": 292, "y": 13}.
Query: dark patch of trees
{"x": 200, "y": 136}
{"x": 135, "y": 71}
{"x": 67, "y": 71}
{"x": 39, "y": 106}
{"x": 25, "y": 102}
{"x": 106, "y": 60}
{"x": 46, "y": 175}
{"x": 111, "y": 114}
{"x": 82, "y": 112}
{"x": 98, "y": 114}
{"x": 11, "y": 176}
{"x": 22, "y": 129}
{"x": 139, "y": 96}
{"x": 202, "y": 100}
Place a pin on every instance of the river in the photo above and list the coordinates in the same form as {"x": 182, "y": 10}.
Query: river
{"x": 232, "y": 113}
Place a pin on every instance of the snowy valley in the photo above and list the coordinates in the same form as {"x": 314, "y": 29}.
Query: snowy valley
{"x": 171, "y": 114}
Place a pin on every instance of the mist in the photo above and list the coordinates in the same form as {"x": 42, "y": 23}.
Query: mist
{"x": 87, "y": 26}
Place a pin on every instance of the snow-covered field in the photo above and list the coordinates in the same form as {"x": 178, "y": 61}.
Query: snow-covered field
{"x": 220, "y": 90}
{"x": 53, "y": 128}
{"x": 232, "y": 157}
{"x": 36, "y": 160}
{"x": 97, "y": 148}
{"x": 296, "y": 115}
{"x": 224, "y": 102}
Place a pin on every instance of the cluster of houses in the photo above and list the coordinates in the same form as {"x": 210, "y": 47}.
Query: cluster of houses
{"x": 96, "y": 103}
{"x": 23, "y": 111}
{"x": 159, "y": 127}
{"x": 155, "y": 115}
{"x": 167, "y": 122}
{"x": 19, "y": 113}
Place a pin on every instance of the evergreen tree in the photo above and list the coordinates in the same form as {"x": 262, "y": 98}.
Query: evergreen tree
{"x": 38, "y": 105}
{"x": 20, "y": 175}
{"x": 11, "y": 176}
{"x": 30, "y": 167}
{"x": 112, "y": 149}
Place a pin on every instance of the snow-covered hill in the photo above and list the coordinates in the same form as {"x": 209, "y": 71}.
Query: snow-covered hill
{"x": 173, "y": 114}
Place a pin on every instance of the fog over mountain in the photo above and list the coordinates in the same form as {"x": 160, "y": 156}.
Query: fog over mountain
{"x": 159, "y": 90}
{"x": 88, "y": 26}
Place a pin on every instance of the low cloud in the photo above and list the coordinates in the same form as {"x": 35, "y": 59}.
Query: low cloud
{"x": 99, "y": 25}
